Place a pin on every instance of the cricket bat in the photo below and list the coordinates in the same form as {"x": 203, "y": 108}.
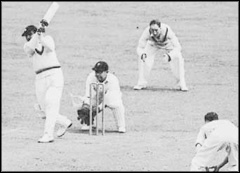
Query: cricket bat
{"x": 51, "y": 12}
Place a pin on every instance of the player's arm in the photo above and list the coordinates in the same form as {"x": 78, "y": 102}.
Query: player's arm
{"x": 87, "y": 87}
{"x": 47, "y": 42}
{"x": 29, "y": 47}
{"x": 173, "y": 38}
{"x": 113, "y": 93}
{"x": 30, "y": 52}
{"x": 218, "y": 167}
{"x": 113, "y": 87}
{"x": 143, "y": 41}
{"x": 200, "y": 139}
{"x": 225, "y": 161}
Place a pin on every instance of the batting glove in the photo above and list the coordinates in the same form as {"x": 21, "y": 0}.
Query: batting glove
{"x": 40, "y": 30}
{"x": 44, "y": 23}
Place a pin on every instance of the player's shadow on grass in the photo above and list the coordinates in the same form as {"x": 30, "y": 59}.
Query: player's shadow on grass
{"x": 150, "y": 88}
{"x": 78, "y": 130}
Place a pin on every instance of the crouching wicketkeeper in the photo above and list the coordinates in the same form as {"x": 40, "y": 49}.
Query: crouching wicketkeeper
{"x": 112, "y": 97}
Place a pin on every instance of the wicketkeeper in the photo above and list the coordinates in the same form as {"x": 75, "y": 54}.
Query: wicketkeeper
{"x": 112, "y": 96}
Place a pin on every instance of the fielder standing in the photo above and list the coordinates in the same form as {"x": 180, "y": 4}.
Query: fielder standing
{"x": 216, "y": 135}
{"x": 49, "y": 79}
{"x": 155, "y": 37}
{"x": 113, "y": 94}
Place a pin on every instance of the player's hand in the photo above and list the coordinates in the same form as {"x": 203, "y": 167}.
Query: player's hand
{"x": 213, "y": 169}
{"x": 198, "y": 147}
{"x": 166, "y": 58}
{"x": 143, "y": 57}
{"x": 44, "y": 23}
{"x": 40, "y": 30}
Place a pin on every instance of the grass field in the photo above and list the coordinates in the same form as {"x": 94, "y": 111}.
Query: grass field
{"x": 162, "y": 123}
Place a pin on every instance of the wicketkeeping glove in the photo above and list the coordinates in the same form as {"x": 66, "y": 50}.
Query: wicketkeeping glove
{"x": 84, "y": 114}
{"x": 41, "y": 30}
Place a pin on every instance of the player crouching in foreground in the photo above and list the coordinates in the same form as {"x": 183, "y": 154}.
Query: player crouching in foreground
{"x": 112, "y": 96}
{"x": 213, "y": 137}
{"x": 49, "y": 79}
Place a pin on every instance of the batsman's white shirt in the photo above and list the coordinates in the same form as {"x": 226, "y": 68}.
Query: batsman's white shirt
{"x": 44, "y": 56}
{"x": 49, "y": 84}
{"x": 215, "y": 136}
{"x": 113, "y": 96}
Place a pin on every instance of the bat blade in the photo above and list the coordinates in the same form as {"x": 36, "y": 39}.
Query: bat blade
{"x": 51, "y": 12}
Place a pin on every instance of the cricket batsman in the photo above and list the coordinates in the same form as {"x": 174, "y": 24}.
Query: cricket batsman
{"x": 49, "y": 79}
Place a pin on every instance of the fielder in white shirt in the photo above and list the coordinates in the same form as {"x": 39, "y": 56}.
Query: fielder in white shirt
{"x": 113, "y": 94}
{"x": 213, "y": 137}
{"x": 155, "y": 37}
{"x": 49, "y": 79}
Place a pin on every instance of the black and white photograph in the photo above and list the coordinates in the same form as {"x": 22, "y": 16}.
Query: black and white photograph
{"x": 120, "y": 86}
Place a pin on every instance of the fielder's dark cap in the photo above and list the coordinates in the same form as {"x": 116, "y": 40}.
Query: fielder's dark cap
{"x": 29, "y": 29}
{"x": 210, "y": 116}
{"x": 100, "y": 67}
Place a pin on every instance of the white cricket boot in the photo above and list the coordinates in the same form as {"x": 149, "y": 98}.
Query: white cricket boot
{"x": 122, "y": 130}
{"x": 46, "y": 139}
{"x": 62, "y": 130}
{"x": 139, "y": 87}
{"x": 183, "y": 87}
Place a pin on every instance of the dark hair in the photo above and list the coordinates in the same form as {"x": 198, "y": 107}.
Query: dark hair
{"x": 29, "y": 29}
{"x": 155, "y": 21}
{"x": 100, "y": 67}
{"x": 211, "y": 116}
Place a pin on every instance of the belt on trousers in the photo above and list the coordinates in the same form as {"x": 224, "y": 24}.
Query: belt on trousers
{"x": 45, "y": 69}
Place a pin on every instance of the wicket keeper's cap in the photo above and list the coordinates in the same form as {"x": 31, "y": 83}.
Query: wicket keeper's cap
{"x": 100, "y": 67}
{"x": 29, "y": 29}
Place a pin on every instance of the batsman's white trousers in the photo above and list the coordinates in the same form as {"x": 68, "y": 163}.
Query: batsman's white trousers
{"x": 176, "y": 65}
{"x": 210, "y": 149}
{"x": 113, "y": 100}
{"x": 49, "y": 87}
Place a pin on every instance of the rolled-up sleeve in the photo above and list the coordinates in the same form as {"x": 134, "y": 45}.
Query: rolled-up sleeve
{"x": 174, "y": 40}
{"x": 29, "y": 47}
{"x": 200, "y": 137}
{"x": 28, "y": 50}
{"x": 143, "y": 41}
{"x": 48, "y": 43}
{"x": 113, "y": 94}
{"x": 87, "y": 86}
